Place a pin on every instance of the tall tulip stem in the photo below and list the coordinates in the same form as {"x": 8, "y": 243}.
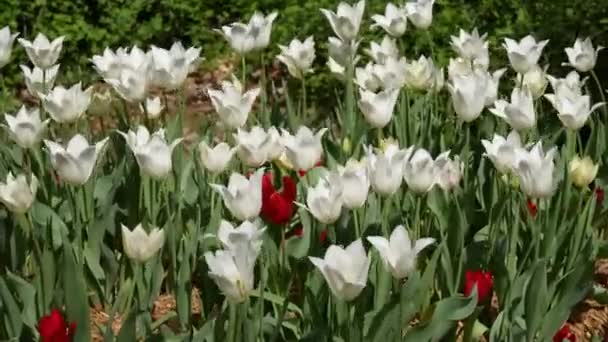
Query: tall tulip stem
{"x": 600, "y": 90}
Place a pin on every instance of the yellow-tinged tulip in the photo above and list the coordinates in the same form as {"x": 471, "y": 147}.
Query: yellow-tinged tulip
{"x": 582, "y": 171}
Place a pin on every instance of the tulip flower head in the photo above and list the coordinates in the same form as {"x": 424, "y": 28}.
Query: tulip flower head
{"x": 420, "y": 13}
{"x": 572, "y": 82}
{"x": 573, "y": 109}
{"x": 242, "y": 196}
{"x": 564, "y": 334}
{"x": 152, "y": 107}
{"x": 140, "y": 245}
{"x": 278, "y": 206}
{"x": 448, "y": 172}
{"x": 367, "y": 79}
{"x": 42, "y": 52}
{"x": 472, "y": 47}
{"x": 169, "y": 68}
{"x": 127, "y": 71}
{"x": 152, "y": 152}
{"x": 583, "y": 56}
{"x": 341, "y": 54}
{"x": 393, "y": 22}
{"x": 16, "y": 194}
{"x": 298, "y": 56}
{"x": 346, "y": 20}
{"x": 325, "y": 199}
{"x": 519, "y": 113}
{"x": 493, "y": 80}
{"x": 383, "y": 51}
{"x": 484, "y": 282}
{"x": 468, "y": 94}
{"x": 75, "y": 163}
{"x": 54, "y": 328}
{"x": 253, "y": 147}
{"x": 355, "y": 181}
{"x": 503, "y": 152}
{"x": 535, "y": 80}
{"x": 215, "y": 159}
{"x": 345, "y": 270}
{"x": 232, "y": 104}
{"x": 392, "y": 73}
{"x": 419, "y": 171}
{"x": 26, "y": 128}
{"x": 377, "y": 108}
{"x": 535, "y": 171}
{"x": 255, "y": 35}
{"x": 399, "y": 253}
{"x": 231, "y": 237}
{"x": 6, "y": 45}
{"x": 582, "y": 171}
{"x": 385, "y": 168}
{"x": 524, "y": 54}
{"x": 39, "y": 81}
{"x": 304, "y": 149}
{"x": 420, "y": 74}
{"x": 67, "y": 105}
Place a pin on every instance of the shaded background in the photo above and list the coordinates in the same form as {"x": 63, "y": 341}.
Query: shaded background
{"x": 91, "y": 25}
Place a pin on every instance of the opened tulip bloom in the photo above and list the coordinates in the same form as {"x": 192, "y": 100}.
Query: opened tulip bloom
{"x": 535, "y": 171}
{"x": 468, "y": 94}
{"x": 232, "y": 104}
{"x": 128, "y": 72}
{"x": 152, "y": 107}
{"x": 215, "y": 159}
{"x": 484, "y": 282}
{"x": 242, "y": 196}
{"x": 519, "y": 113}
{"x": 524, "y": 54}
{"x": 582, "y": 171}
{"x": 342, "y": 52}
{"x": 16, "y": 194}
{"x": 503, "y": 152}
{"x": 278, "y": 206}
{"x": 39, "y": 81}
{"x": 535, "y": 80}
{"x": 253, "y": 147}
{"x": 346, "y": 20}
{"x": 385, "y": 168}
{"x": 169, "y": 68}
{"x": 573, "y": 109}
{"x": 492, "y": 83}
{"x": 152, "y": 152}
{"x": 140, "y": 245}
{"x": 394, "y": 20}
{"x": 420, "y": 13}
{"x": 54, "y": 328}
{"x": 419, "y": 171}
{"x": 304, "y": 149}
{"x": 355, "y": 183}
{"x": 399, "y": 253}
{"x": 298, "y": 56}
{"x": 448, "y": 172}
{"x": 255, "y": 35}
{"x": 472, "y": 47}
{"x": 583, "y": 56}
{"x": 26, "y": 128}
{"x": 232, "y": 237}
{"x": 392, "y": 73}
{"x": 345, "y": 270}
{"x": 325, "y": 201}
{"x": 42, "y": 52}
{"x": 367, "y": 79}
{"x": 420, "y": 74}
{"x": 380, "y": 53}
{"x": 572, "y": 83}
{"x": 75, "y": 163}
{"x": 377, "y": 108}
{"x": 67, "y": 105}
{"x": 6, "y": 45}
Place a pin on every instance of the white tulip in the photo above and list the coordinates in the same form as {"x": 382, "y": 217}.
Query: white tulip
{"x": 325, "y": 200}
{"x": 582, "y": 171}
{"x": 6, "y": 45}
{"x": 254, "y": 35}
{"x": 582, "y": 56}
{"x": 275, "y": 144}
{"x": 336, "y": 68}
{"x": 460, "y": 67}
{"x": 193, "y": 58}
{"x": 108, "y": 64}
{"x": 36, "y": 81}
{"x": 394, "y": 20}
{"x": 524, "y": 54}
{"x": 535, "y": 80}
{"x": 345, "y": 270}
{"x": 493, "y": 80}
{"x": 386, "y": 168}
{"x": 242, "y": 197}
{"x": 139, "y": 245}
{"x": 152, "y": 107}
{"x": 380, "y": 53}
{"x": 16, "y": 194}
{"x": 399, "y": 252}
{"x": 232, "y": 237}
{"x": 231, "y": 104}
{"x": 572, "y": 82}
{"x": 468, "y": 95}
{"x": 366, "y": 79}
{"x": 74, "y": 164}
{"x": 420, "y": 74}
{"x": 127, "y": 71}
{"x": 132, "y": 84}
{"x": 391, "y": 73}
{"x": 535, "y": 171}
{"x": 215, "y": 159}
{"x": 420, "y": 13}
{"x": 346, "y": 20}
{"x": 41, "y": 51}
{"x": 67, "y": 105}
{"x": 355, "y": 181}
{"x": 377, "y": 108}
{"x": 503, "y": 152}
{"x": 572, "y": 108}
{"x": 472, "y": 47}
{"x": 253, "y": 146}
{"x": 25, "y": 128}
{"x": 237, "y": 35}
{"x": 304, "y": 149}
{"x": 169, "y": 68}
{"x": 342, "y": 52}
{"x": 419, "y": 171}
{"x": 448, "y": 172}
{"x": 298, "y": 56}
{"x": 519, "y": 113}
{"x": 233, "y": 271}
{"x": 152, "y": 152}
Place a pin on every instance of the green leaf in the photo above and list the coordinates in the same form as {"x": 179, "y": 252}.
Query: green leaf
{"x": 12, "y": 314}
{"x": 127, "y": 332}
{"x": 76, "y": 299}
{"x": 383, "y": 324}
{"x": 27, "y": 294}
{"x": 298, "y": 246}
{"x": 43, "y": 215}
{"x": 536, "y": 300}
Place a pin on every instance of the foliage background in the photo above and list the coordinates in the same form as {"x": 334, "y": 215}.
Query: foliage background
{"x": 91, "y": 25}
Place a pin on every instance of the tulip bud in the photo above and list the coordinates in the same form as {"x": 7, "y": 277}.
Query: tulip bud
{"x": 139, "y": 245}
{"x": 582, "y": 171}
{"x": 420, "y": 13}
{"x": 16, "y": 194}
{"x": 484, "y": 282}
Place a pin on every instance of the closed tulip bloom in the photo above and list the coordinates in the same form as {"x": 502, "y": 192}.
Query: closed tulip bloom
{"x": 493, "y": 80}
{"x": 67, "y": 105}
{"x": 573, "y": 109}
{"x": 582, "y": 171}
{"x": 54, "y": 328}
{"x": 298, "y": 56}
{"x": 304, "y": 149}
{"x": 253, "y": 147}
{"x": 25, "y": 128}
{"x": 572, "y": 83}
{"x": 534, "y": 80}
{"x": 215, "y": 159}
{"x": 392, "y": 73}
{"x": 324, "y": 201}
{"x": 483, "y": 280}
{"x": 393, "y": 22}
{"x": 468, "y": 94}
{"x": 535, "y": 171}
{"x": 346, "y": 20}
{"x": 377, "y": 108}
{"x": 582, "y": 56}
{"x": 399, "y": 253}
{"x": 232, "y": 104}
{"x": 247, "y": 232}
{"x": 383, "y": 51}
{"x": 345, "y": 270}
{"x": 36, "y": 82}
{"x": 6, "y": 45}
{"x": 519, "y": 113}
{"x": 16, "y": 194}
{"x": 503, "y": 152}
{"x": 385, "y": 168}
{"x": 420, "y": 74}
{"x": 152, "y": 107}
{"x": 41, "y": 51}
{"x": 366, "y": 79}
{"x": 139, "y": 245}
{"x": 472, "y": 47}
{"x": 524, "y": 54}
{"x": 419, "y": 171}
{"x": 152, "y": 152}
{"x": 420, "y": 13}
{"x": 448, "y": 172}
{"x": 74, "y": 164}
{"x": 355, "y": 181}
{"x": 242, "y": 196}
{"x": 278, "y": 206}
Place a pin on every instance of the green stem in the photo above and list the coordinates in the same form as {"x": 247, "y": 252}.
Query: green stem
{"x": 600, "y": 90}
{"x": 355, "y": 213}
{"x": 417, "y": 216}
{"x": 264, "y": 98}
{"x": 233, "y": 323}
{"x": 304, "y": 112}
{"x": 282, "y": 312}
{"x": 243, "y": 71}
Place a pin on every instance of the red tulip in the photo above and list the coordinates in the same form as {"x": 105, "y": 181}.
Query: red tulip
{"x": 599, "y": 196}
{"x": 323, "y": 236}
{"x": 53, "y": 328}
{"x": 532, "y": 208}
{"x": 484, "y": 281}
{"x": 564, "y": 334}
{"x": 278, "y": 206}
